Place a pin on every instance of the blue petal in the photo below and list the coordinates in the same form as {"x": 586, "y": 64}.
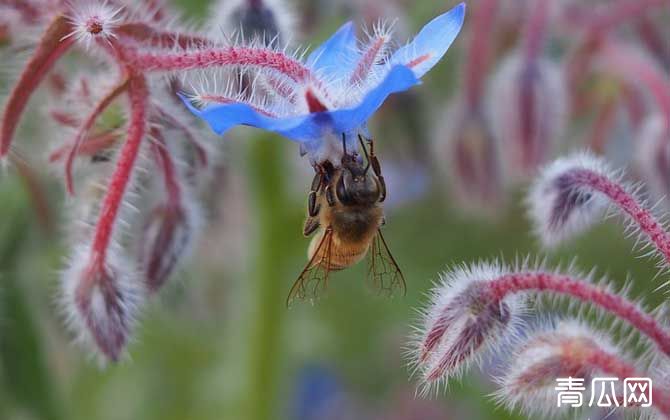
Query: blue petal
{"x": 428, "y": 47}
{"x": 399, "y": 79}
{"x": 221, "y": 118}
{"x": 311, "y": 126}
{"x": 336, "y": 55}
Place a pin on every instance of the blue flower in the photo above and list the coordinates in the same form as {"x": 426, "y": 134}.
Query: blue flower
{"x": 333, "y": 92}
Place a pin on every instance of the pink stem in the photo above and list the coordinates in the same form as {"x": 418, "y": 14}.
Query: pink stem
{"x": 125, "y": 164}
{"x": 51, "y": 47}
{"x": 501, "y": 287}
{"x": 535, "y": 30}
{"x": 653, "y": 39}
{"x": 534, "y": 37}
{"x": 64, "y": 118}
{"x": 610, "y": 364}
{"x": 479, "y": 51}
{"x": 625, "y": 201}
{"x": 225, "y": 56}
{"x": 86, "y": 127}
{"x": 629, "y": 65}
{"x": 90, "y": 147}
{"x": 167, "y": 166}
{"x": 368, "y": 59}
{"x": 624, "y": 309}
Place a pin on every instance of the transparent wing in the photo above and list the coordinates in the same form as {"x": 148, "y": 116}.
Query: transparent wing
{"x": 314, "y": 277}
{"x": 384, "y": 274}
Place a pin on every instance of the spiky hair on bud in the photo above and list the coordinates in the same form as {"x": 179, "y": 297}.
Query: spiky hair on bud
{"x": 461, "y": 323}
{"x": 561, "y": 204}
{"x": 568, "y": 351}
{"x": 573, "y": 193}
{"x": 101, "y": 301}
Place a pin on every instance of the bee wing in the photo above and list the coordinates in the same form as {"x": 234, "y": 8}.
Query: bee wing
{"x": 314, "y": 277}
{"x": 384, "y": 274}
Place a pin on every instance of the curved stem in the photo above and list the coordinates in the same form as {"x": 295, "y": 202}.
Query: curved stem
{"x": 566, "y": 285}
{"x": 479, "y": 53}
{"x": 51, "y": 47}
{"x": 124, "y": 168}
{"x": 86, "y": 127}
{"x": 628, "y": 64}
{"x": 224, "y": 56}
{"x": 610, "y": 364}
{"x": 167, "y": 166}
{"x": 629, "y": 204}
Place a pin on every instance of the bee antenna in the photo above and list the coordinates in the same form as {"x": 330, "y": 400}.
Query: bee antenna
{"x": 365, "y": 151}
{"x": 344, "y": 144}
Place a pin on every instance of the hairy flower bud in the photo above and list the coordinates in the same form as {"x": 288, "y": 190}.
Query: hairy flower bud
{"x": 528, "y": 106}
{"x": 465, "y": 141}
{"x": 560, "y": 204}
{"x": 102, "y": 300}
{"x": 572, "y": 193}
{"x": 462, "y": 322}
{"x": 571, "y": 350}
{"x": 169, "y": 235}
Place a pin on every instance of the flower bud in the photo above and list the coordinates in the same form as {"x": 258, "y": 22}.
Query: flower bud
{"x": 560, "y": 204}
{"x": 466, "y": 143}
{"x": 528, "y": 106}
{"x": 169, "y": 235}
{"x": 462, "y": 322}
{"x": 102, "y": 300}
{"x": 570, "y": 350}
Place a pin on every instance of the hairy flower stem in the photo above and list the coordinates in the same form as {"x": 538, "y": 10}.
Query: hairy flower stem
{"x": 86, "y": 127}
{"x": 630, "y": 205}
{"x": 226, "y": 56}
{"x": 479, "y": 52}
{"x": 168, "y": 169}
{"x": 534, "y": 39}
{"x": 124, "y": 168}
{"x": 586, "y": 292}
{"x": 269, "y": 199}
{"x": 626, "y": 63}
{"x": 602, "y": 361}
{"x": 52, "y": 46}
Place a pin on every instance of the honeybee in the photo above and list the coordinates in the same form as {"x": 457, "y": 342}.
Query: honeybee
{"x": 345, "y": 211}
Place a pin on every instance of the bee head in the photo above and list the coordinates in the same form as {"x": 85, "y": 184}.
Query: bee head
{"x": 357, "y": 186}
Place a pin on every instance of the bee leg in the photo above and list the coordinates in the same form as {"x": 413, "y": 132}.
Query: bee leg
{"x": 312, "y": 206}
{"x": 311, "y": 225}
{"x": 376, "y": 166}
{"x": 330, "y": 197}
